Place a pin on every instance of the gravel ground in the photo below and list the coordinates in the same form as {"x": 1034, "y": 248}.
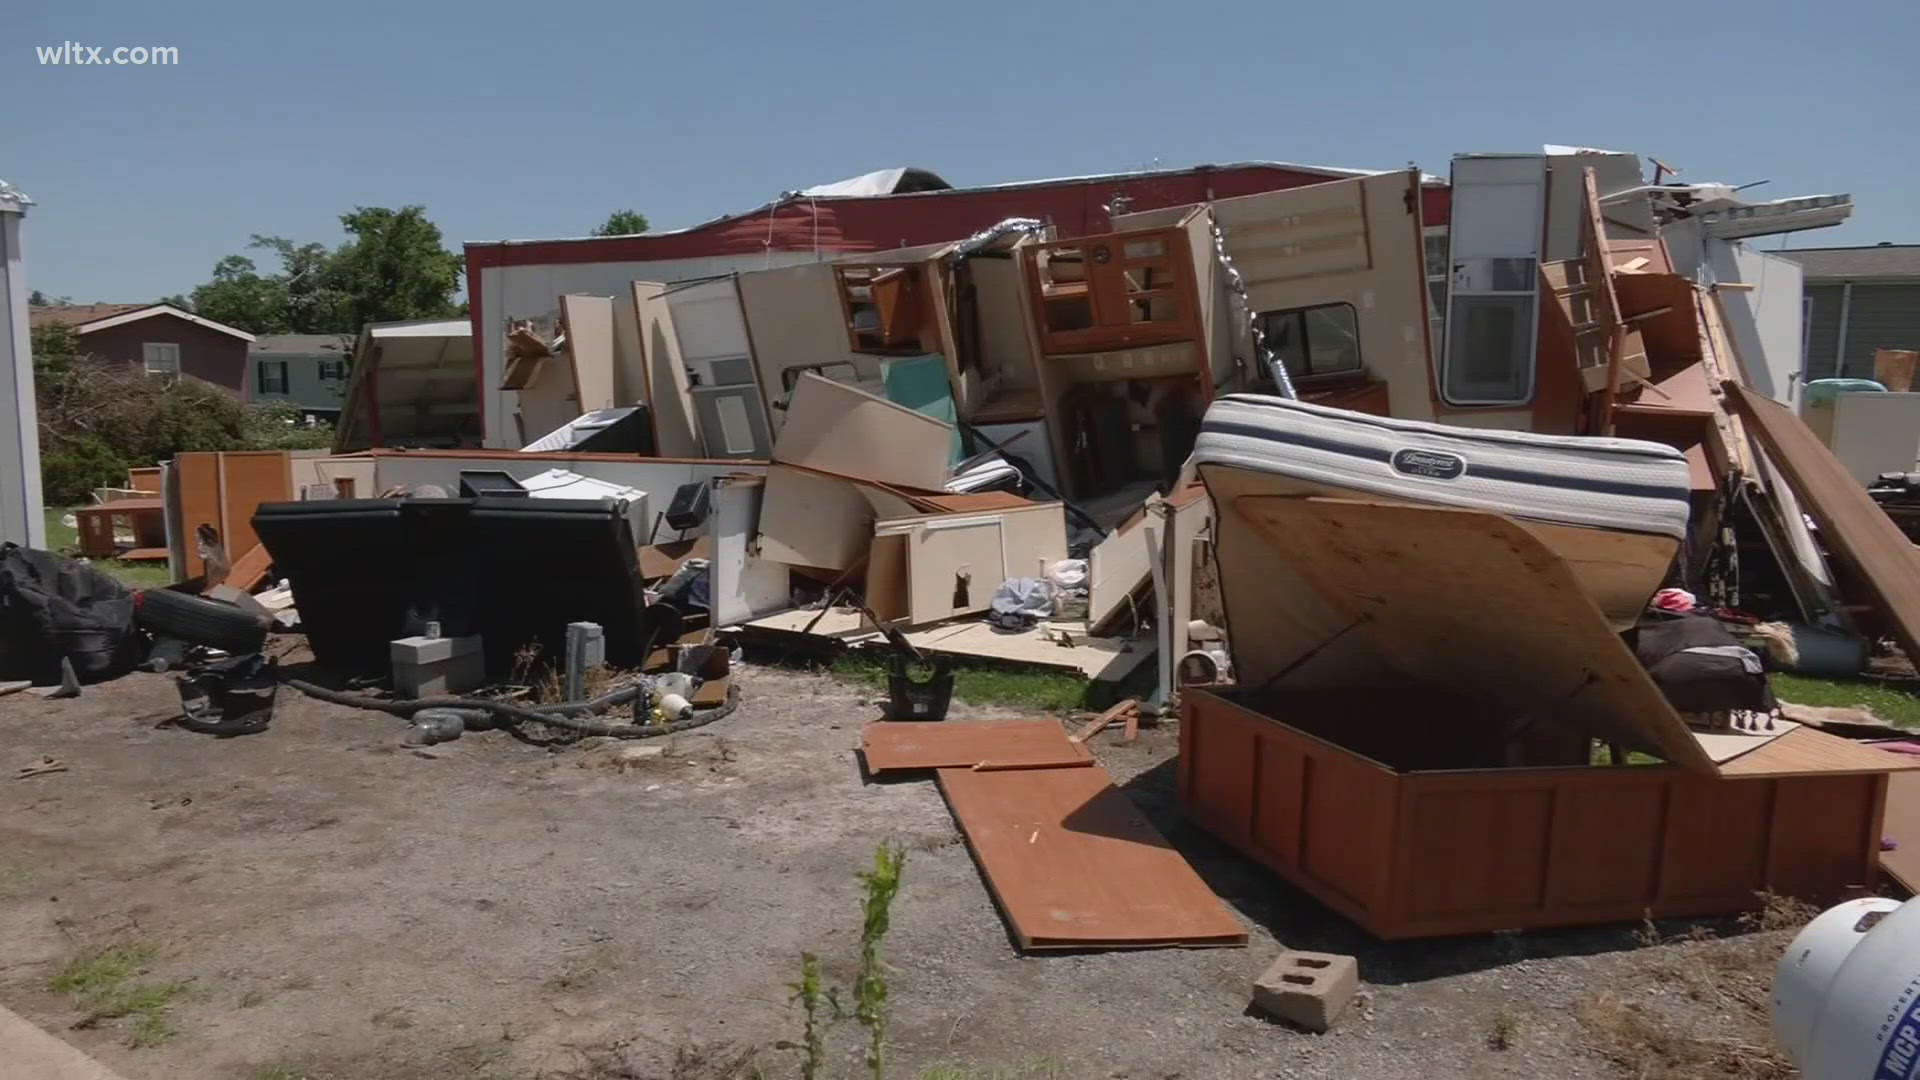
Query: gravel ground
{"x": 345, "y": 908}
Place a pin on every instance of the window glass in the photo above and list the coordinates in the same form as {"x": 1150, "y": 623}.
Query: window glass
{"x": 161, "y": 357}
{"x": 1488, "y": 359}
{"x": 1322, "y": 340}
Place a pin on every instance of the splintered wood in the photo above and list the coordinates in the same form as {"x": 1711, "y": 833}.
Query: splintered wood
{"x": 1074, "y": 865}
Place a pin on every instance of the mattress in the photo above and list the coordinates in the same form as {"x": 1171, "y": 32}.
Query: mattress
{"x": 1621, "y": 484}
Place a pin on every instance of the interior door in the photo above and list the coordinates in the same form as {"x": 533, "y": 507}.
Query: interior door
{"x": 1493, "y": 304}
{"x": 728, "y": 412}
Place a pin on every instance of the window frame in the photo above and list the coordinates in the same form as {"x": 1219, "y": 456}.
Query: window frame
{"x": 1306, "y": 341}
{"x": 168, "y": 349}
{"x": 260, "y": 377}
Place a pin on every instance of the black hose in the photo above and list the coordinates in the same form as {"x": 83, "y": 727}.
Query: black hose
{"x": 515, "y": 714}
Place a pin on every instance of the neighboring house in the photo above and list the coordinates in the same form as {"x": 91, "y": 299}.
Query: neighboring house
{"x": 21, "y": 518}
{"x": 1858, "y": 299}
{"x": 159, "y": 339}
{"x": 309, "y": 370}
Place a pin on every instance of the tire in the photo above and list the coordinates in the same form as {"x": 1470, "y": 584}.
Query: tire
{"x": 199, "y": 621}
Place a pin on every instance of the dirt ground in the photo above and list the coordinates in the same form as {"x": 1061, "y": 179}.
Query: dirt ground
{"x": 345, "y": 908}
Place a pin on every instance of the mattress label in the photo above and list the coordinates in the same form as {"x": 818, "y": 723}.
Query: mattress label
{"x": 1430, "y": 464}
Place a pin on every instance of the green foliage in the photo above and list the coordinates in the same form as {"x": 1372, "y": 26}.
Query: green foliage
{"x": 98, "y": 419}
{"x": 54, "y": 348}
{"x": 280, "y": 425}
{"x": 71, "y": 468}
{"x": 820, "y": 1006}
{"x": 104, "y": 984}
{"x": 622, "y": 223}
{"x": 807, "y": 994}
{"x": 870, "y": 987}
{"x": 392, "y": 267}
{"x": 1894, "y": 702}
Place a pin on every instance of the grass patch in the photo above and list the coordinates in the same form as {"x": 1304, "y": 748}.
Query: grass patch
{"x": 106, "y": 985}
{"x": 65, "y": 539}
{"x": 1030, "y": 689}
{"x": 1888, "y": 701}
{"x": 1038, "y": 1068}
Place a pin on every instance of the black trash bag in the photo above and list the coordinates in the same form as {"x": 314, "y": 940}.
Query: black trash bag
{"x": 54, "y": 608}
{"x": 1702, "y": 669}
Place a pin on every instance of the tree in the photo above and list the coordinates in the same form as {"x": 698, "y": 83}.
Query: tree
{"x": 38, "y": 298}
{"x": 242, "y": 298}
{"x": 392, "y": 267}
{"x": 623, "y": 223}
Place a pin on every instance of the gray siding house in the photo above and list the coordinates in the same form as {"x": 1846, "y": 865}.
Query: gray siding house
{"x": 1858, "y": 299}
{"x": 309, "y": 370}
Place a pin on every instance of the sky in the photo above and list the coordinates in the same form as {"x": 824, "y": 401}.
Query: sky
{"x": 527, "y": 120}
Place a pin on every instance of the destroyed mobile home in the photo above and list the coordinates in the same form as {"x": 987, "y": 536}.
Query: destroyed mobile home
{"x": 1457, "y": 520}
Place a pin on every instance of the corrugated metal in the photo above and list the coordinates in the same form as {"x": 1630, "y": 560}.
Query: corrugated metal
{"x": 1823, "y": 330}
{"x": 1880, "y": 317}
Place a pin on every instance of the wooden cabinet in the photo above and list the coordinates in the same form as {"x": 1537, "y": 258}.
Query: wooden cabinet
{"x": 1114, "y": 291}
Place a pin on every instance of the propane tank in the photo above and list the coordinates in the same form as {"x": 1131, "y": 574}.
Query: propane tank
{"x": 1846, "y": 996}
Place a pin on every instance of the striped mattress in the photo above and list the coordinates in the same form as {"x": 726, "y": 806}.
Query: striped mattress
{"x": 1621, "y": 484}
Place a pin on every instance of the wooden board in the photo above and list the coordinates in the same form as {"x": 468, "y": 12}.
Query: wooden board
{"x": 1103, "y": 659}
{"x": 812, "y": 520}
{"x": 250, "y": 569}
{"x": 838, "y": 429}
{"x": 890, "y": 746}
{"x": 1804, "y": 751}
{"x": 1855, "y": 529}
{"x": 589, "y": 324}
{"x": 661, "y": 560}
{"x": 1073, "y": 863}
{"x": 1902, "y": 826}
{"x": 1474, "y": 602}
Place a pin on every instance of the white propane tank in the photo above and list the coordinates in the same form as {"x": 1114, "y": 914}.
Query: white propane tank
{"x": 1846, "y": 996}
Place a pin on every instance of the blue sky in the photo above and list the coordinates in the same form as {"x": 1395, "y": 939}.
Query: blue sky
{"x": 517, "y": 120}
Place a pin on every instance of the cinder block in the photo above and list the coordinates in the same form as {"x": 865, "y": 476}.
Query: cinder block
{"x": 1311, "y": 989}
{"x": 429, "y": 667}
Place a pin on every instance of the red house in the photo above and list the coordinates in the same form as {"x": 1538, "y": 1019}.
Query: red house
{"x": 158, "y": 338}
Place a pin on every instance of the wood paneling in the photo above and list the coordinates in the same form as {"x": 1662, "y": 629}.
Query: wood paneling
{"x": 1416, "y": 575}
{"x": 222, "y": 489}
{"x": 1855, "y": 529}
{"x": 1452, "y": 868}
{"x": 1413, "y": 854}
{"x": 1074, "y": 864}
{"x": 1006, "y": 744}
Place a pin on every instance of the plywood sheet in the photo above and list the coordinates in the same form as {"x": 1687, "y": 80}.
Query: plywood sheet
{"x": 1855, "y": 529}
{"x": 810, "y": 520}
{"x": 891, "y": 746}
{"x": 1902, "y": 826}
{"x": 1475, "y": 603}
{"x": 1102, "y": 659}
{"x": 1073, "y": 863}
{"x": 590, "y": 349}
{"x": 836, "y": 428}
{"x": 1807, "y": 752}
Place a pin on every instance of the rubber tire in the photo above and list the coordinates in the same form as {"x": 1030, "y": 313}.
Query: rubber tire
{"x": 199, "y": 621}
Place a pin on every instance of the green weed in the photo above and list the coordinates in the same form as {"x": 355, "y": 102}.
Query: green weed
{"x": 106, "y": 987}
